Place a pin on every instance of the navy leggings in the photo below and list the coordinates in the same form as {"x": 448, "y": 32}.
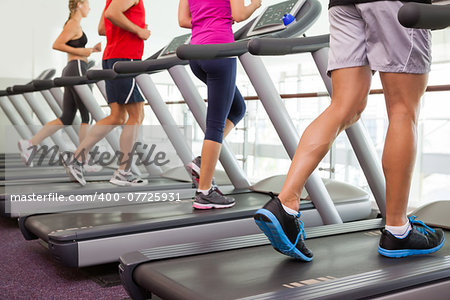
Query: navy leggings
{"x": 224, "y": 99}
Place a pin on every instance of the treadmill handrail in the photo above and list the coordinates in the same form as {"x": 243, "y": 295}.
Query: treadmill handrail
{"x": 270, "y": 46}
{"x": 107, "y": 74}
{"x": 101, "y": 74}
{"x": 212, "y": 51}
{"x": 427, "y": 16}
{"x": 43, "y": 84}
{"x": 10, "y": 91}
{"x": 72, "y": 80}
{"x": 147, "y": 66}
{"x": 24, "y": 88}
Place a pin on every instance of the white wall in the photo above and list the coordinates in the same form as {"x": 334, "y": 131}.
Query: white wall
{"x": 29, "y": 28}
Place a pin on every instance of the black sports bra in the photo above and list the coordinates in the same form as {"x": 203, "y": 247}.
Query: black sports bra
{"x": 78, "y": 43}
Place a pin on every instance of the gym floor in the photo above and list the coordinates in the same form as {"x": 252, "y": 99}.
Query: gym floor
{"x": 29, "y": 272}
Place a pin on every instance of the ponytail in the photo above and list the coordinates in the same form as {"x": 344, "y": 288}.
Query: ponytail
{"x": 73, "y": 4}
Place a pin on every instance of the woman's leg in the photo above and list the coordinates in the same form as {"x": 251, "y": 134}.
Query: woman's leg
{"x": 85, "y": 116}
{"x": 68, "y": 114}
{"x": 402, "y": 93}
{"x": 221, "y": 82}
{"x": 46, "y": 131}
{"x": 236, "y": 113}
{"x": 350, "y": 89}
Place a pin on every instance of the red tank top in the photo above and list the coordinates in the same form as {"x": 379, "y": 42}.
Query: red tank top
{"x": 121, "y": 43}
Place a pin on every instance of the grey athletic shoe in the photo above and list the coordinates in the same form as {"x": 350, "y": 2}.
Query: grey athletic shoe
{"x": 214, "y": 199}
{"x": 194, "y": 168}
{"x": 127, "y": 179}
{"x": 74, "y": 169}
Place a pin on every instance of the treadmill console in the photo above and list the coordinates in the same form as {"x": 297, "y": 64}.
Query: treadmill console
{"x": 271, "y": 19}
{"x": 171, "y": 48}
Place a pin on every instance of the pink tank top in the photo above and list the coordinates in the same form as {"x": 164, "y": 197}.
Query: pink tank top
{"x": 211, "y": 22}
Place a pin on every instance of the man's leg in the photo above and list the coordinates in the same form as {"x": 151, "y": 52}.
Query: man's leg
{"x": 130, "y": 132}
{"x": 279, "y": 218}
{"x": 402, "y": 93}
{"x": 402, "y": 237}
{"x": 350, "y": 89}
{"x": 95, "y": 134}
{"x": 101, "y": 129}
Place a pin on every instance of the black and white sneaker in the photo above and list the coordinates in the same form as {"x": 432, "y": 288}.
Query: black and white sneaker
{"x": 194, "y": 168}
{"x": 420, "y": 240}
{"x": 214, "y": 199}
{"x": 123, "y": 178}
{"x": 74, "y": 168}
{"x": 285, "y": 231}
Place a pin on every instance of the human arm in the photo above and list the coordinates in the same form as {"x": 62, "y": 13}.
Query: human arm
{"x": 241, "y": 12}
{"x": 115, "y": 14}
{"x": 184, "y": 14}
{"x": 70, "y": 31}
{"x": 101, "y": 25}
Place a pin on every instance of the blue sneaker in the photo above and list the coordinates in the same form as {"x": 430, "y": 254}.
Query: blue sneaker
{"x": 420, "y": 240}
{"x": 285, "y": 231}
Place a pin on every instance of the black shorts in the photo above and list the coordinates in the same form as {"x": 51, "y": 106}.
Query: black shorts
{"x": 121, "y": 91}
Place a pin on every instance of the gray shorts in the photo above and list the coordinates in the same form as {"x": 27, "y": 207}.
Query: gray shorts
{"x": 370, "y": 34}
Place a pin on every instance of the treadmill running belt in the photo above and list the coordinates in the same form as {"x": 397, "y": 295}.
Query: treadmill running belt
{"x": 258, "y": 270}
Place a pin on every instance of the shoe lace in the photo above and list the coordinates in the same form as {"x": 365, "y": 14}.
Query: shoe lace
{"x": 133, "y": 178}
{"x": 301, "y": 226}
{"x": 413, "y": 221}
{"x": 216, "y": 189}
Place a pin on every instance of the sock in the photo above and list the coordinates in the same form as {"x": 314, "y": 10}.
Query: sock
{"x": 290, "y": 210}
{"x": 123, "y": 172}
{"x": 204, "y": 192}
{"x": 399, "y": 231}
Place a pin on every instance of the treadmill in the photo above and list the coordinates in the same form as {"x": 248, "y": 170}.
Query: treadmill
{"x": 346, "y": 264}
{"x": 12, "y": 104}
{"x": 97, "y": 193}
{"x": 52, "y": 97}
{"x": 42, "y": 173}
{"x": 101, "y": 236}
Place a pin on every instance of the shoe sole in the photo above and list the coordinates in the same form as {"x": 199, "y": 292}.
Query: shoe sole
{"x": 195, "y": 173}
{"x": 197, "y": 205}
{"x": 24, "y": 159}
{"x": 70, "y": 174}
{"x": 126, "y": 183}
{"x": 408, "y": 252}
{"x": 269, "y": 224}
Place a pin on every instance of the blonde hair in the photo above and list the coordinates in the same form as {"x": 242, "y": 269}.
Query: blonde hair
{"x": 73, "y": 4}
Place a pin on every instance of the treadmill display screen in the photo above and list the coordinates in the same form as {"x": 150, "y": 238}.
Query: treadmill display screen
{"x": 271, "y": 18}
{"x": 174, "y": 44}
{"x": 273, "y": 15}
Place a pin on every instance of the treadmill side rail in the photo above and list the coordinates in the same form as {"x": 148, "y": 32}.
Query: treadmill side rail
{"x": 65, "y": 253}
{"x": 128, "y": 264}
{"x": 28, "y": 235}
